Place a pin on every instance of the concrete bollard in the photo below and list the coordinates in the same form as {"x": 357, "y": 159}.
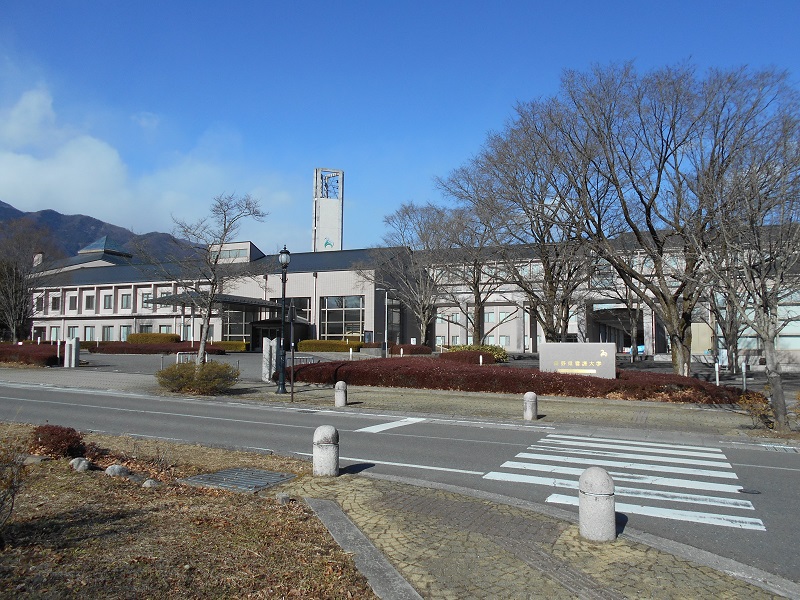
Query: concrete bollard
{"x": 596, "y": 506}
{"x": 531, "y": 403}
{"x": 340, "y": 394}
{"x": 326, "y": 451}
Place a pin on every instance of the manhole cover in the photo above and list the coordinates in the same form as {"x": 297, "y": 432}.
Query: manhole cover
{"x": 239, "y": 480}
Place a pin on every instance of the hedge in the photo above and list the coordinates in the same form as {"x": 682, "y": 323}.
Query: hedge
{"x": 153, "y": 338}
{"x": 43, "y": 355}
{"x": 470, "y": 357}
{"x": 409, "y": 349}
{"x": 170, "y": 348}
{"x": 328, "y": 346}
{"x": 499, "y": 353}
{"x": 423, "y": 373}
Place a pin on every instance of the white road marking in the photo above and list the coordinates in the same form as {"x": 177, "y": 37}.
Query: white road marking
{"x": 634, "y": 443}
{"x": 642, "y": 456}
{"x": 694, "y": 484}
{"x": 628, "y": 465}
{"x": 674, "y": 514}
{"x": 650, "y": 449}
{"x": 571, "y": 484}
{"x": 392, "y": 425}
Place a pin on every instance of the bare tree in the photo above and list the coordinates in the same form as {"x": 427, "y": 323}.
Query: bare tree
{"x": 203, "y": 275}
{"x": 21, "y": 272}
{"x": 406, "y": 263}
{"x": 755, "y": 253}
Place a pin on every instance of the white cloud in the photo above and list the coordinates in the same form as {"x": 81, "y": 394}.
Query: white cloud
{"x": 46, "y": 164}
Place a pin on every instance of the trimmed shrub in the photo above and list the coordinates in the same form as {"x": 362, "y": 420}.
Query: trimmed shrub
{"x": 329, "y": 346}
{"x": 207, "y": 379}
{"x": 423, "y": 373}
{"x": 499, "y": 353}
{"x": 154, "y": 338}
{"x": 230, "y": 346}
{"x": 171, "y": 348}
{"x": 43, "y": 355}
{"x": 12, "y": 476}
{"x": 409, "y": 349}
{"x": 470, "y": 357}
{"x": 57, "y": 441}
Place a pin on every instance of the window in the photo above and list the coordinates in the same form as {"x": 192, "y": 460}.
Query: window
{"x": 89, "y": 302}
{"x": 341, "y": 316}
{"x": 488, "y": 317}
{"x": 147, "y": 300}
{"x": 145, "y": 329}
{"x": 124, "y": 332}
{"x": 505, "y": 341}
{"x": 490, "y": 340}
{"x": 107, "y": 301}
{"x": 166, "y": 306}
{"x": 187, "y": 332}
{"x": 73, "y": 304}
{"x": 125, "y": 301}
{"x": 455, "y": 317}
{"x": 302, "y": 307}
{"x": 40, "y": 304}
{"x": 72, "y": 332}
{"x": 55, "y": 303}
{"x": 108, "y": 333}
{"x": 55, "y": 333}
{"x": 165, "y": 329}
{"x": 88, "y": 333}
{"x": 503, "y": 315}
{"x": 441, "y": 340}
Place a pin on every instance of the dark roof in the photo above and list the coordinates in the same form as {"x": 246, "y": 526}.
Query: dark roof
{"x": 104, "y": 246}
{"x": 191, "y": 296}
{"x": 309, "y": 262}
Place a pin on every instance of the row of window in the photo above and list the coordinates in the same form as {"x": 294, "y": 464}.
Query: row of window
{"x": 488, "y": 317}
{"x": 107, "y": 332}
{"x": 455, "y": 340}
{"x": 89, "y": 302}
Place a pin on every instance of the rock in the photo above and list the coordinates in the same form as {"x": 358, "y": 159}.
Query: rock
{"x": 33, "y": 459}
{"x": 152, "y": 483}
{"x": 283, "y": 499}
{"x": 136, "y": 478}
{"x": 118, "y": 471}
{"x": 80, "y": 464}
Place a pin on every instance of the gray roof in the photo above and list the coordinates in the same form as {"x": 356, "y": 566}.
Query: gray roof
{"x": 309, "y": 262}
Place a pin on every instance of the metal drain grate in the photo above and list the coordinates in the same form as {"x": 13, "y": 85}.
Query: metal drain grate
{"x": 239, "y": 480}
{"x": 780, "y": 448}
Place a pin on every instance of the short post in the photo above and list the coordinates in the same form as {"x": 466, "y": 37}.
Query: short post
{"x": 596, "y": 518}
{"x": 340, "y": 395}
{"x": 351, "y": 354}
{"x": 326, "y": 451}
{"x": 480, "y": 360}
{"x": 531, "y": 409}
{"x": 716, "y": 372}
{"x": 744, "y": 376}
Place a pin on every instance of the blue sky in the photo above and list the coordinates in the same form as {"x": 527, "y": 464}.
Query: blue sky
{"x": 135, "y": 111}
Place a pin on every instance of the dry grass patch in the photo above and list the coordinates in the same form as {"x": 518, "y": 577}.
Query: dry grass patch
{"x": 90, "y": 535}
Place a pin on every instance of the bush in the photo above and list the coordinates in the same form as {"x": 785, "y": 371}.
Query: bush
{"x": 57, "y": 441}
{"x": 230, "y": 346}
{"x": 471, "y": 357}
{"x": 329, "y": 346}
{"x": 43, "y": 355}
{"x": 154, "y": 338}
{"x": 423, "y": 373}
{"x": 207, "y": 379}
{"x": 759, "y": 409}
{"x": 408, "y": 349}
{"x": 170, "y": 348}
{"x": 499, "y": 353}
{"x": 12, "y": 475}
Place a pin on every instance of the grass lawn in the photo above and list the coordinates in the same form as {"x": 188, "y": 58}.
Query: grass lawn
{"x": 92, "y": 536}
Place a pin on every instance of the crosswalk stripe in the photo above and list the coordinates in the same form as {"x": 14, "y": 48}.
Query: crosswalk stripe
{"x": 694, "y": 484}
{"x": 648, "y": 456}
{"x": 674, "y": 514}
{"x": 629, "y": 465}
{"x": 571, "y": 484}
{"x": 649, "y": 448}
{"x": 391, "y": 425}
{"x": 633, "y": 443}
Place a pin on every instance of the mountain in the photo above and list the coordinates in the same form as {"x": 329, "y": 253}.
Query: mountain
{"x": 70, "y": 233}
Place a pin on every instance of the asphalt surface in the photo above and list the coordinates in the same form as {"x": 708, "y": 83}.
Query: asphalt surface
{"x": 451, "y": 542}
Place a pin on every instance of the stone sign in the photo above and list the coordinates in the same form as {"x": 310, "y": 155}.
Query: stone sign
{"x": 595, "y": 359}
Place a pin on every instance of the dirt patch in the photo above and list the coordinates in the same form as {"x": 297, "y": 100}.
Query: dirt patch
{"x": 89, "y": 535}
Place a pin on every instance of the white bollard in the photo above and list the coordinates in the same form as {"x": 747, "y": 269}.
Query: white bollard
{"x": 716, "y": 372}
{"x": 326, "y": 451}
{"x": 401, "y": 353}
{"x": 596, "y": 517}
{"x": 530, "y": 402}
{"x": 351, "y": 354}
{"x": 340, "y": 394}
{"x": 480, "y": 360}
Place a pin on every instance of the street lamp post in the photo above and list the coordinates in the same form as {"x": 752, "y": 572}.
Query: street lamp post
{"x": 386, "y": 317}
{"x": 283, "y": 258}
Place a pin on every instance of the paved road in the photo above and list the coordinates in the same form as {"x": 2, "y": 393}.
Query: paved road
{"x": 680, "y": 487}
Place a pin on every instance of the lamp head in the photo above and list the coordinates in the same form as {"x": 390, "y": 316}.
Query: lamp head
{"x": 284, "y": 257}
